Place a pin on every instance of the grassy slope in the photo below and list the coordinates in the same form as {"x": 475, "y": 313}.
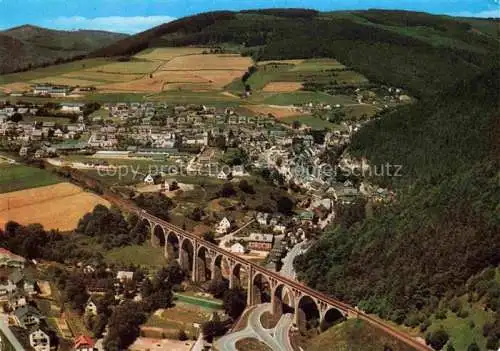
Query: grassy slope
{"x": 17, "y": 177}
{"x": 51, "y": 70}
{"x": 146, "y": 256}
{"x": 354, "y": 335}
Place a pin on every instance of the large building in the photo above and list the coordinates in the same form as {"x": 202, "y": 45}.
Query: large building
{"x": 51, "y": 90}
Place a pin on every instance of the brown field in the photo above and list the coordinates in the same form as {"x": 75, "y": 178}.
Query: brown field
{"x": 178, "y": 77}
{"x": 15, "y": 87}
{"x": 208, "y": 62}
{"x": 65, "y": 81}
{"x": 57, "y": 206}
{"x": 130, "y": 67}
{"x": 282, "y": 87}
{"x": 166, "y": 54}
{"x": 139, "y": 85}
{"x": 277, "y": 111}
{"x": 196, "y": 80}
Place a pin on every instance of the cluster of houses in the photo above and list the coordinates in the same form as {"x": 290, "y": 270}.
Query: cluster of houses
{"x": 27, "y": 324}
{"x": 52, "y": 90}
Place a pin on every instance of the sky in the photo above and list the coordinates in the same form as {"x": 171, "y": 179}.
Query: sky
{"x": 132, "y": 16}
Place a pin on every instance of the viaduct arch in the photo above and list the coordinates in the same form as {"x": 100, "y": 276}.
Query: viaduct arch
{"x": 205, "y": 261}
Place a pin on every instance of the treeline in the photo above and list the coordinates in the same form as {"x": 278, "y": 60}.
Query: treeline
{"x": 139, "y": 42}
{"x": 290, "y": 13}
{"x": 442, "y": 230}
{"x": 111, "y": 229}
{"x": 107, "y": 226}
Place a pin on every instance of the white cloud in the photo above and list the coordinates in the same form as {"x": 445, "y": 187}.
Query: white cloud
{"x": 112, "y": 23}
{"x": 484, "y": 14}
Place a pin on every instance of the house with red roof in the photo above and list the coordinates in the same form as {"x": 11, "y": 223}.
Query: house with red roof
{"x": 84, "y": 343}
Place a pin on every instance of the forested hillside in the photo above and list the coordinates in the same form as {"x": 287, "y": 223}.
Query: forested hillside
{"x": 444, "y": 226}
{"x": 26, "y": 47}
{"x": 418, "y": 51}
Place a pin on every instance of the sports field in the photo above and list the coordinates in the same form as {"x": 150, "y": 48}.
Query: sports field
{"x": 57, "y": 206}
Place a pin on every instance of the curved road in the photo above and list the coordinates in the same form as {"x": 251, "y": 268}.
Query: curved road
{"x": 277, "y": 338}
{"x": 287, "y": 270}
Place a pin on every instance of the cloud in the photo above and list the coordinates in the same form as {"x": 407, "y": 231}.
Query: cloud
{"x": 119, "y": 24}
{"x": 484, "y": 14}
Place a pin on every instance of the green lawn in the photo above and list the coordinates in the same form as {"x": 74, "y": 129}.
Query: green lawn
{"x": 355, "y": 334}
{"x": 318, "y": 65}
{"x": 19, "y": 177}
{"x": 464, "y": 331}
{"x": 304, "y": 97}
{"x": 143, "y": 255}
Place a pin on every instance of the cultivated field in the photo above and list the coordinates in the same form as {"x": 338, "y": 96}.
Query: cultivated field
{"x": 129, "y": 67}
{"x": 64, "y": 80}
{"x": 282, "y": 87}
{"x": 151, "y": 71}
{"x": 318, "y": 65}
{"x": 165, "y": 54}
{"x": 57, "y": 206}
{"x": 279, "y": 112}
{"x": 103, "y": 77}
{"x": 208, "y": 62}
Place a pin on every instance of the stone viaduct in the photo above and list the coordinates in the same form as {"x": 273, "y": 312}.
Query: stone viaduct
{"x": 205, "y": 261}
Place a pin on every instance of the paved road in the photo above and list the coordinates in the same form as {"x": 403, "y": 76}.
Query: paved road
{"x": 4, "y": 327}
{"x": 287, "y": 270}
{"x": 276, "y": 338}
{"x": 281, "y": 331}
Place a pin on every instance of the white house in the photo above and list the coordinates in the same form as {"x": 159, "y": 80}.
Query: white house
{"x": 149, "y": 179}
{"x": 262, "y": 218}
{"x": 237, "y": 248}
{"x": 39, "y": 340}
{"x": 223, "y": 226}
{"x": 238, "y": 171}
{"x": 91, "y": 307}
{"x": 124, "y": 275}
{"x": 222, "y": 175}
{"x": 72, "y": 108}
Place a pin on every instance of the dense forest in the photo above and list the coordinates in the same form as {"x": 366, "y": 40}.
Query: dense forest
{"x": 443, "y": 230}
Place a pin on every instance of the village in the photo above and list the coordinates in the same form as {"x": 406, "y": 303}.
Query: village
{"x": 257, "y": 187}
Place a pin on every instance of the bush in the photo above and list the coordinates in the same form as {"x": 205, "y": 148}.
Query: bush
{"x": 455, "y": 305}
{"x": 182, "y": 336}
{"x": 473, "y": 347}
{"x": 437, "y": 339}
{"x": 424, "y": 325}
{"x": 441, "y": 314}
{"x": 463, "y": 314}
{"x": 450, "y": 347}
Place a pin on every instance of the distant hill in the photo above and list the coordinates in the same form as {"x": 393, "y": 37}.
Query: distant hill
{"x": 421, "y": 52}
{"x": 29, "y": 46}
